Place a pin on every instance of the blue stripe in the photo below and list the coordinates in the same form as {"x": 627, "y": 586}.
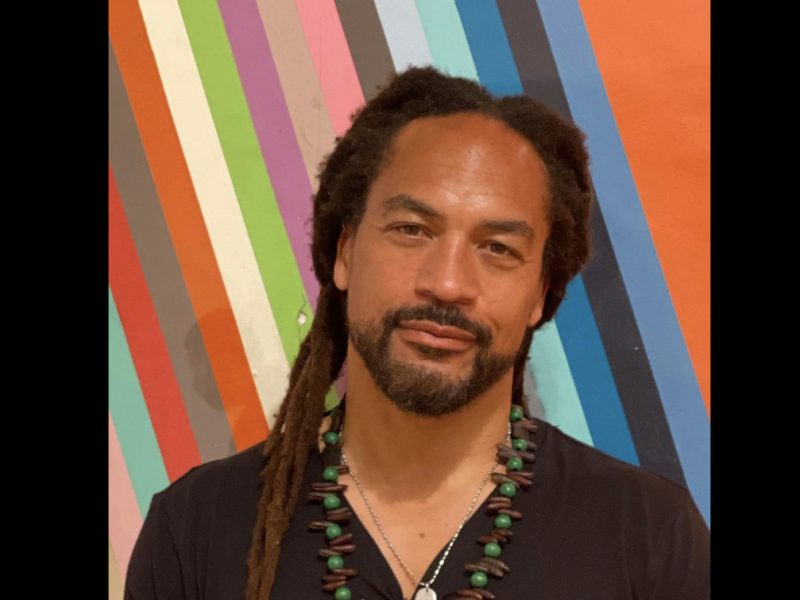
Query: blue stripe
{"x": 498, "y": 72}
{"x": 491, "y": 53}
{"x": 633, "y": 246}
{"x": 594, "y": 380}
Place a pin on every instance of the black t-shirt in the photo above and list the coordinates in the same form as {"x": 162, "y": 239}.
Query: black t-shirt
{"x": 594, "y": 527}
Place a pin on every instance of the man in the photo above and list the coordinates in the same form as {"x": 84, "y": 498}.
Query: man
{"x": 446, "y": 227}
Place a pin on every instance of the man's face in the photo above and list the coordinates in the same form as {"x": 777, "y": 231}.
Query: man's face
{"x": 444, "y": 272}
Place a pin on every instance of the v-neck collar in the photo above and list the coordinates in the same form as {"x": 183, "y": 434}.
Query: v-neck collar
{"x": 473, "y": 528}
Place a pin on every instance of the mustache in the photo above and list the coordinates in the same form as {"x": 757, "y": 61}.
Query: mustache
{"x": 441, "y": 315}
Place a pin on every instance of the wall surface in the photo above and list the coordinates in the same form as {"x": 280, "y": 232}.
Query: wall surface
{"x": 220, "y": 113}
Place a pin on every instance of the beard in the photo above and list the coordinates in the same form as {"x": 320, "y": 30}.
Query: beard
{"x": 414, "y": 388}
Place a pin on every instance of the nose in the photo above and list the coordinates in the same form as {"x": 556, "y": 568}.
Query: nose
{"x": 448, "y": 273}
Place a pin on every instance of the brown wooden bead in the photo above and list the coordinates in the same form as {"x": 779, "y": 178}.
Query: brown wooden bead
{"x": 497, "y": 536}
{"x": 343, "y": 468}
{"x": 505, "y": 452}
{"x": 331, "y": 578}
{"x": 503, "y": 500}
{"x": 331, "y": 456}
{"x": 521, "y": 481}
{"x": 346, "y": 572}
{"x": 331, "y": 587}
{"x": 319, "y": 525}
{"x": 500, "y": 479}
{"x": 344, "y": 548}
{"x": 328, "y": 486}
{"x": 504, "y": 532}
{"x": 342, "y": 539}
{"x": 328, "y": 552}
{"x": 485, "y": 539}
{"x": 338, "y": 515}
{"x": 490, "y": 568}
{"x": 317, "y": 496}
{"x": 485, "y": 594}
{"x": 472, "y": 567}
{"x": 468, "y": 594}
{"x": 497, "y": 563}
{"x": 514, "y": 514}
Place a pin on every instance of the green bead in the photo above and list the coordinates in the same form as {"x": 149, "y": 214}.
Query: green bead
{"x": 331, "y": 502}
{"x": 514, "y": 463}
{"x": 330, "y": 437}
{"x": 492, "y": 549}
{"x": 516, "y": 413}
{"x": 335, "y": 562}
{"x": 330, "y": 474}
{"x": 519, "y": 444}
{"x": 508, "y": 490}
{"x": 333, "y": 531}
{"x": 502, "y": 521}
{"x": 479, "y": 579}
{"x": 342, "y": 593}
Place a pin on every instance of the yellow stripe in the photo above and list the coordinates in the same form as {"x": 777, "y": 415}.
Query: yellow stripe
{"x": 218, "y": 203}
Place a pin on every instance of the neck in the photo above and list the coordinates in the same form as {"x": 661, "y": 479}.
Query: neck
{"x": 392, "y": 450}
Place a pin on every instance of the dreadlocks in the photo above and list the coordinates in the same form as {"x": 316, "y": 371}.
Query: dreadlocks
{"x": 345, "y": 178}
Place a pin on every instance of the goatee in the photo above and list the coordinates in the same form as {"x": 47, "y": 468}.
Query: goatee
{"x": 414, "y": 388}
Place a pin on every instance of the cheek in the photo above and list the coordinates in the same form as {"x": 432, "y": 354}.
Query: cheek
{"x": 376, "y": 285}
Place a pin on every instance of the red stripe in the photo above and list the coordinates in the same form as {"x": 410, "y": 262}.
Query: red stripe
{"x": 186, "y": 225}
{"x": 147, "y": 345}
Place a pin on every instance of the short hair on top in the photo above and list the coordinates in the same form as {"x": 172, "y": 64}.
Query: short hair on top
{"x": 345, "y": 178}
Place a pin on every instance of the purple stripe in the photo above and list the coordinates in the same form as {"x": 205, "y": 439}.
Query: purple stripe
{"x": 274, "y": 130}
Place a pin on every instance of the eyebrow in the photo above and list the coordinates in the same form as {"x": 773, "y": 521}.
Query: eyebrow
{"x": 406, "y": 202}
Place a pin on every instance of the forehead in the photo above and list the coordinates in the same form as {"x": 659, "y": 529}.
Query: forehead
{"x": 464, "y": 161}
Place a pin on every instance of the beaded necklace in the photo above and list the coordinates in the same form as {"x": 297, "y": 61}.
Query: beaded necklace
{"x": 339, "y": 543}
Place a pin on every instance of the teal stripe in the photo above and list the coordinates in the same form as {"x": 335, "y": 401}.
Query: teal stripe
{"x": 446, "y": 39}
{"x": 130, "y": 416}
{"x": 555, "y": 384}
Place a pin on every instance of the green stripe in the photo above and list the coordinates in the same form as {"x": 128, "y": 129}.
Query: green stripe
{"x": 551, "y": 372}
{"x": 446, "y": 38}
{"x": 237, "y": 135}
{"x": 130, "y": 416}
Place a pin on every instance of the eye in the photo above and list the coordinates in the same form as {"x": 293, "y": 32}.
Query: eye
{"x": 410, "y": 230}
{"x": 500, "y": 249}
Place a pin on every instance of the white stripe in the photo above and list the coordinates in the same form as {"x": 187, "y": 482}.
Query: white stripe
{"x": 404, "y": 34}
{"x": 217, "y": 199}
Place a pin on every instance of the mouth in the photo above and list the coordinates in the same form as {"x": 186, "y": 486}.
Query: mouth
{"x": 430, "y": 334}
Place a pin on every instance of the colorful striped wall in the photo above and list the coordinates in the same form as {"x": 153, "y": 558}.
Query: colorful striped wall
{"x": 219, "y": 114}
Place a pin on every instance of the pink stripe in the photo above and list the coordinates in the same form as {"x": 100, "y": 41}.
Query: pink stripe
{"x": 124, "y": 516}
{"x": 332, "y": 59}
{"x": 274, "y": 130}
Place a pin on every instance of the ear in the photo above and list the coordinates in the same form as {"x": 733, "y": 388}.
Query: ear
{"x": 536, "y": 313}
{"x": 344, "y": 251}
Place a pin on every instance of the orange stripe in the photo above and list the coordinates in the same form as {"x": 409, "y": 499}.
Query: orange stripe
{"x": 664, "y": 123}
{"x": 148, "y": 348}
{"x": 185, "y": 223}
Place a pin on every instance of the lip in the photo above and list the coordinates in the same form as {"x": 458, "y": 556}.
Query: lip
{"x": 435, "y": 336}
{"x": 442, "y": 331}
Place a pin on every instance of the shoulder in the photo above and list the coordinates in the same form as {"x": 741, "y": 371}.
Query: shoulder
{"x": 594, "y": 477}
{"x": 233, "y": 480}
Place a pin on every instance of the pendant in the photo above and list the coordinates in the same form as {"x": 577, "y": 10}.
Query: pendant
{"x": 425, "y": 593}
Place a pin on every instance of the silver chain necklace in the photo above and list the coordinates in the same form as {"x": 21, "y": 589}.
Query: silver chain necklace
{"x": 426, "y": 592}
